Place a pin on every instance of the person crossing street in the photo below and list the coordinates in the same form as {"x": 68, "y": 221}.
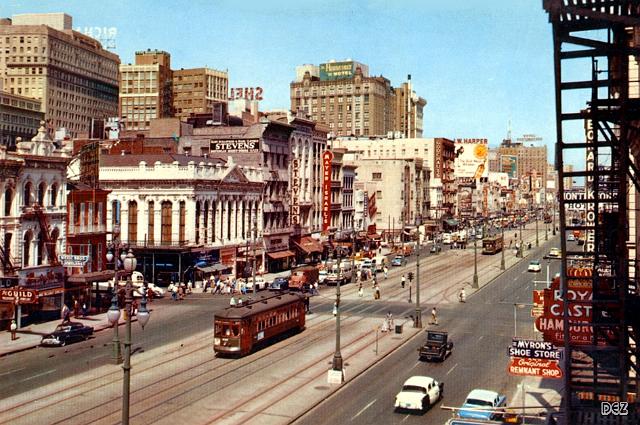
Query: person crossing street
{"x": 402, "y": 281}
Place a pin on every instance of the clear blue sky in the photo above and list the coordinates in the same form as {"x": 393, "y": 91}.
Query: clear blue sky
{"x": 479, "y": 64}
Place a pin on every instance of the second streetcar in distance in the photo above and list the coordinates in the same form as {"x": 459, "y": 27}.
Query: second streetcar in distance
{"x": 492, "y": 244}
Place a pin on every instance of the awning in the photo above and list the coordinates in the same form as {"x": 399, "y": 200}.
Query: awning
{"x": 309, "y": 245}
{"x": 214, "y": 268}
{"x": 100, "y": 276}
{"x": 280, "y": 254}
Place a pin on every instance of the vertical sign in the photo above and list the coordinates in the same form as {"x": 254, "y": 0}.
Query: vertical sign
{"x": 590, "y": 217}
{"x": 294, "y": 213}
{"x": 327, "y": 157}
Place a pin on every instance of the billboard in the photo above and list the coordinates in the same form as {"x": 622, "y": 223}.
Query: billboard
{"x": 337, "y": 70}
{"x": 235, "y": 145}
{"x": 472, "y": 158}
{"x": 294, "y": 210}
{"x": 509, "y": 165}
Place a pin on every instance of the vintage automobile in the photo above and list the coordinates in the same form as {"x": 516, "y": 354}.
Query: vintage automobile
{"x": 397, "y": 261}
{"x": 280, "y": 284}
{"x": 66, "y": 333}
{"x": 322, "y": 275}
{"x": 260, "y": 283}
{"x": 483, "y": 404}
{"x": 554, "y": 253}
{"x": 534, "y": 266}
{"x": 437, "y": 346}
{"x": 435, "y": 248}
{"x": 419, "y": 393}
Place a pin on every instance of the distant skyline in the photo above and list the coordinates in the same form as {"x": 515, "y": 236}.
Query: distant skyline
{"x": 479, "y": 65}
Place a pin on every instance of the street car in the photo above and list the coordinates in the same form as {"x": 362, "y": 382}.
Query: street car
{"x": 483, "y": 404}
{"x": 397, "y": 260}
{"x": 66, "y": 333}
{"x": 419, "y": 393}
{"x": 534, "y": 266}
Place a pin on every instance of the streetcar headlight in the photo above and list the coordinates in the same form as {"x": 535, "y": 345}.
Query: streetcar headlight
{"x": 216, "y": 341}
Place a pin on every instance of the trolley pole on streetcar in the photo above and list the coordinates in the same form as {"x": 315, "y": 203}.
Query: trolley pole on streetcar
{"x": 337, "y": 364}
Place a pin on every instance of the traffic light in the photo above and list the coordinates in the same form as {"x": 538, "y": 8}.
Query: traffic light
{"x": 410, "y": 276}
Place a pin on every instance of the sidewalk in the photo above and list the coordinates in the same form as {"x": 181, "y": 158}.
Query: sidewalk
{"x": 30, "y": 336}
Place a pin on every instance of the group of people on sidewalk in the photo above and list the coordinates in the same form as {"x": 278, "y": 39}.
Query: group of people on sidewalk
{"x": 226, "y": 287}
{"x": 179, "y": 290}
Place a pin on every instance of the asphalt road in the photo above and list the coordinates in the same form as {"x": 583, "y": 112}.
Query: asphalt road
{"x": 481, "y": 329}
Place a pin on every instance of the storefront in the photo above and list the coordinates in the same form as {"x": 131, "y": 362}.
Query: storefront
{"x": 86, "y": 287}
{"x": 309, "y": 250}
{"x": 280, "y": 260}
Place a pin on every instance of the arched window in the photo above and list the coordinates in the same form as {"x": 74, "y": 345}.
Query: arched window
{"x": 133, "y": 222}
{"x": 167, "y": 206}
{"x": 52, "y": 250}
{"x": 115, "y": 213}
{"x": 40, "y": 250}
{"x": 26, "y": 249}
{"x": 54, "y": 195}
{"x": 27, "y": 193}
{"x": 8, "y": 201}
{"x": 151, "y": 227}
{"x": 42, "y": 190}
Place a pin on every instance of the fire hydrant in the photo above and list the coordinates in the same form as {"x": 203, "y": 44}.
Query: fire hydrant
{"x": 13, "y": 328}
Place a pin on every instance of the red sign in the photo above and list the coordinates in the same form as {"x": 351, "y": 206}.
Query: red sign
{"x": 19, "y": 295}
{"x": 540, "y": 368}
{"x": 227, "y": 256}
{"x": 247, "y": 93}
{"x": 327, "y": 157}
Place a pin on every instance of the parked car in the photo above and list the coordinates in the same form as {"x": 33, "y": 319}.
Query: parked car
{"x": 322, "y": 275}
{"x": 260, "y": 283}
{"x": 478, "y": 399}
{"x": 437, "y": 346}
{"x": 66, "y": 333}
{"x": 280, "y": 284}
{"x": 571, "y": 237}
{"x": 419, "y": 393}
{"x": 397, "y": 260}
{"x": 435, "y": 248}
{"x": 534, "y": 266}
{"x": 158, "y": 292}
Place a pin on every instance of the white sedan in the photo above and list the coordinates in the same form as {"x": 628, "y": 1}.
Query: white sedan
{"x": 534, "y": 266}
{"x": 419, "y": 393}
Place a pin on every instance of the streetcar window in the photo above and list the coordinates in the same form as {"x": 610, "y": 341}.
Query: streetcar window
{"x": 235, "y": 330}
{"x": 226, "y": 330}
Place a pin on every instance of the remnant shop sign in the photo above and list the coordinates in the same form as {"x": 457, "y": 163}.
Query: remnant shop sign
{"x": 535, "y": 367}
{"x": 237, "y": 145}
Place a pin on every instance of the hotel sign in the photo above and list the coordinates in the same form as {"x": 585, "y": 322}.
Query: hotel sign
{"x": 327, "y": 158}
{"x": 235, "y": 145}
{"x": 294, "y": 212}
{"x": 336, "y": 70}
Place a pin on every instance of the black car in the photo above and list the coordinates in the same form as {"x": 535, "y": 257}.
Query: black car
{"x": 435, "y": 248}
{"x": 66, "y": 333}
{"x": 280, "y": 284}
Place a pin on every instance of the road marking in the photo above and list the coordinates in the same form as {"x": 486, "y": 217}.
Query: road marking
{"x": 38, "y": 375}
{"x": 97, "y": 357}
{"x": 451, "y": 370}
{"x": 515, "y": 279}
{"x": 414, "y": 366}
{"x": 12, "y": 371}
{"x": 364, "y": 408}
{"x": 524, "y": 271}
{"x": 405, "y": 418}
{"x": 481, "y": 336}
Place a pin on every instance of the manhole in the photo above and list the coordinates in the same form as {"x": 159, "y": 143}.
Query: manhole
{"x": 322, "y": 388}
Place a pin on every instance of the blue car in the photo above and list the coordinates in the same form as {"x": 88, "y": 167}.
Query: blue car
{"x": 485, "y": 404}
{"x": 397, "y": 261}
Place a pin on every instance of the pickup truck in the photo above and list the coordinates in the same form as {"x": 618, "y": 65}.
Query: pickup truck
{"x": 483, "y": 404}
{"x": 437, "y": 346}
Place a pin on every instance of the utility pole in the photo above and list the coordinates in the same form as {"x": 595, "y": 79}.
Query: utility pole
{"x": 502, "y": 265}
{"x": 418, "y": 319}
{"x": 537, "y": 240}
{"x": 475, "y": 261}
{"x": 337, "y": 356}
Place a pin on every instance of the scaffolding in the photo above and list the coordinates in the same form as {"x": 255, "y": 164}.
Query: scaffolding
{"x": 598, "y": 37}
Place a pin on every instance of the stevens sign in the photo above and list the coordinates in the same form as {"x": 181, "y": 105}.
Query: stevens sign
{"x": 235, "y": 145}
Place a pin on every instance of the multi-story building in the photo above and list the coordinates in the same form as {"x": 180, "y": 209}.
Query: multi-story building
{"x": 146, "y": 89}
{"x": 70, "y": 73}
{"x": 32, "y": 222}
{"x": 343, "y": 96}
{"x": 203, "y": 213}
{"x": 20, "y": 116}
{"x": 437, "y": 154}
{"x": 408, "y": 115}
{"x": 196, "y": 90}
{"x": 529, "y": 159}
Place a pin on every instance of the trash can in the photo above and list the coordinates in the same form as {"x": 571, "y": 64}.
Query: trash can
{"x": 398, "y": 329}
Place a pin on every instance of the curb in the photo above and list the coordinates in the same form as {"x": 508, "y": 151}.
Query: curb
{"x": 356, "y": 376}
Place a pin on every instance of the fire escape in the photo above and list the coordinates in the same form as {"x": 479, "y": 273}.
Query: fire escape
{"x": 599, "y": 38}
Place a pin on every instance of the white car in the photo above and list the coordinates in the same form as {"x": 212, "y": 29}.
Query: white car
{"x": 419, "y": 393}
{"x": 571, "y": 237}
{"x": 555, "y": 253}
{"x": 322, "y": 276}
{"x": 534, "y": 266}
{"x": 260, "y": 284}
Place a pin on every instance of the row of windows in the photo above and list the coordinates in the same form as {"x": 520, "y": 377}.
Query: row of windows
{"x": 29, "y": 197}
{"x": 339, "y": 88}
{"x": 274, "y": 318}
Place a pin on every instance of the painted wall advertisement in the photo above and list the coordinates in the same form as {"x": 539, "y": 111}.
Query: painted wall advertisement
{"x": 235, "y": 145}
{"x": 472, "y": 158}
{"x": 327, "y": 158}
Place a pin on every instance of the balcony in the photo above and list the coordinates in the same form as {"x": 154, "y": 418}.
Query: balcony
{"x": 75, "y": 230}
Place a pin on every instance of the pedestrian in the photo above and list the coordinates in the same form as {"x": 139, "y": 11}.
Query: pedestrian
{"x": 76, "y": 308}
{"x": 174, "y": 292}
{"x": 462, "y": 296}
{"x": 206, "y": 285}
{"x": 386, "y": 272}
{"x": 390, "y": 320}
{"x": 232, "y": 301}
{"x": 359, "y": 275}
{"x": 360, "y": 290}
{"x": 402, "y": 281}
{"x": 84, "y": 309}
{"x": 306, "y": 304}
{"x": 434, "y": 316}
{"x": 150, "y": 294}
{"x": 510, "y": 242}
{"x": 315, "y": 288}
{"x": 376, "y": 292}
{"x": 189, "y": 286}
{"x": 14, "y": 328}
{"x": 65, "y": 313}
{"x": 385, "y": 326}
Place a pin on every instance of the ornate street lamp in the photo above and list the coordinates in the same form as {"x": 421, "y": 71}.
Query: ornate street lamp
{"x": 113, "y": 315}
{"x": 417, "y": 322}
{"x": 337, "y": 356}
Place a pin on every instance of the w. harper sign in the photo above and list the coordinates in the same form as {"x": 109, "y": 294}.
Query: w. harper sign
{"x": 327, "y": 158}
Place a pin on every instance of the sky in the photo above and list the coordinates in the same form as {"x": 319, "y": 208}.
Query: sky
{"x": 482, "y": 66}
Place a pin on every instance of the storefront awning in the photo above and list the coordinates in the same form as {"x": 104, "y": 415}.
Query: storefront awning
{"x": 91, "y": 277}
{"x": 309, "y": 245}
{"x": 214, "y": 268}
{"x": 280, "y": 254}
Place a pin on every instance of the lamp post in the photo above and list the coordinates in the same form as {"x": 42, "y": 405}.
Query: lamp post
{"x": 255, "y": 236}
{"x": 554, "y": 218}
{"x": 353, "y": 255}
{"x": 337, "y": 356}
{"x": 417, "y": 323}
{"x": 475, "y": 260}
{"x": 113, "y": 315}
{"x": 537, "y": 239}
{"x": 502, "y": 265}
{"x": 521, "y": 250}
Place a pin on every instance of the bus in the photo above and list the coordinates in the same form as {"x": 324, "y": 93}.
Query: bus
{"x": 492, "y": 245}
